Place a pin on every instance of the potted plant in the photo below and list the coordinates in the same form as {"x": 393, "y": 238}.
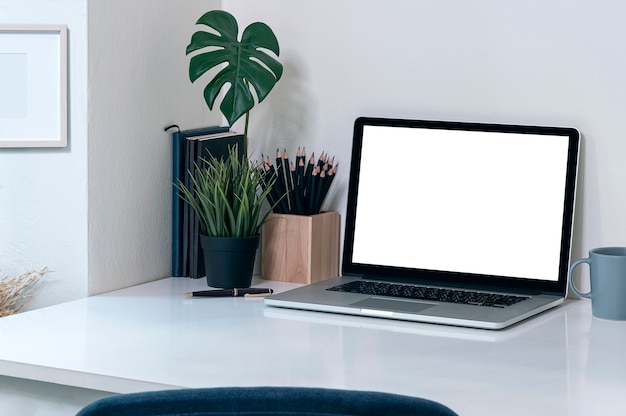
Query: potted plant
{"x": 224, "y": 193}
{"x": 227, "y": 198}
{"x": 244, "y": 65}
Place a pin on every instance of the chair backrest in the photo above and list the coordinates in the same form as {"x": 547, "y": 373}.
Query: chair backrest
{"x": 264, "y": 401}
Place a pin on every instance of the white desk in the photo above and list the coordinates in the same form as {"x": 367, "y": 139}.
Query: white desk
{"x": 150, "y": 337}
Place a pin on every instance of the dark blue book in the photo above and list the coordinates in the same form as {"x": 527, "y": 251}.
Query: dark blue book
{"x": 180, "y": 215}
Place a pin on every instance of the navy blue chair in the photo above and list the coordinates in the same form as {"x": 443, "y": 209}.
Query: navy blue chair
{"x": 264, "y": 401}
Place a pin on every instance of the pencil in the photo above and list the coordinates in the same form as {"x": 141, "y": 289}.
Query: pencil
{"x": 300, "y": 187}
{"x": 319, "y": 195}
{"x": 312, "y": 191}
{"x": 266, "y": 180}
{"x": 288, "y": 177}
{"x": 278, "y": 189}
{"x": 297, "y": 197}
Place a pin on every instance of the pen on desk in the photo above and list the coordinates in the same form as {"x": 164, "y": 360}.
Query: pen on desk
{"x": 222, "y": 293}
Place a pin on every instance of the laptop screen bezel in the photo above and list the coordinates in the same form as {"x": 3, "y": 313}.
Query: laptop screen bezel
{"x": 445, "y": 278}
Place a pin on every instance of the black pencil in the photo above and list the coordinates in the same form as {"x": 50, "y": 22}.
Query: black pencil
{"x": 300, "y": 188}
{"x": 330, "y": 175}
{"x": 288, "y": 177}
{"x": 297, "y": 197}
{"x": 266, "y": 180}
{"x": 319, "y": 194}
{"x": 279, "y": 189}
{"x": 311, "y": 196}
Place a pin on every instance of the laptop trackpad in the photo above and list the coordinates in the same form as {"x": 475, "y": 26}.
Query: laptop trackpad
{"x": 392, "y": 305}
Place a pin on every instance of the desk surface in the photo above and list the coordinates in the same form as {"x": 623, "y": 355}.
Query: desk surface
{"x": 563, "y": 362}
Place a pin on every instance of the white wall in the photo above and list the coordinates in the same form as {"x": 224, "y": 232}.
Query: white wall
{"x": 97, "y": 212}
{"x": 43, "y": 192}
{"x": 530, "y": 62}
{"x": 138, "y": 84}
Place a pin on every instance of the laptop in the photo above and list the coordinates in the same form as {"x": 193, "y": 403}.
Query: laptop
{"x": 455, "y": 223}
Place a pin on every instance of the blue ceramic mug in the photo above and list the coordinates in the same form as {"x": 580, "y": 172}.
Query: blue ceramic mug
{"x": 607, "y": 271}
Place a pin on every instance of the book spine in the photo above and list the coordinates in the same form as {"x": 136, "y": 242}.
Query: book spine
{"x": 186, "y": 256}
{"x": 177, "y": 204}
{"x": 192, "y": 223}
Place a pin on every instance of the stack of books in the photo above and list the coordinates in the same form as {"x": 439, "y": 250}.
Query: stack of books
{"x": 191, "y": 149}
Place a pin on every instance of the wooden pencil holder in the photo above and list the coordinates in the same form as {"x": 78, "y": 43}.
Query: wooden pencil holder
{"x": 300, "y": 248}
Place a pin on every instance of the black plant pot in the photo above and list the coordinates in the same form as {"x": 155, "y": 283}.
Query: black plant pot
{"x": 229, "y": 261}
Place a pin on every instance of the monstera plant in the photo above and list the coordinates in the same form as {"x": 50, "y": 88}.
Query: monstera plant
{"x": 245, "y": 64}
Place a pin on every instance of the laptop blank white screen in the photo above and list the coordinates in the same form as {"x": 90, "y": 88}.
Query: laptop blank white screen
{"x": 476, "y": 202}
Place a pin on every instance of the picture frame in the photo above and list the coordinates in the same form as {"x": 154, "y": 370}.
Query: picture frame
{"x": 33, "y": 81}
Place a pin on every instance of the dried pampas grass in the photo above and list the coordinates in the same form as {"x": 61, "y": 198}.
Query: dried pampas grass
{"x": 13, "y": 290}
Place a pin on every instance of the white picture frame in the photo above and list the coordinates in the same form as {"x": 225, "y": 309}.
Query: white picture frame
{"x": 33, "y": 82}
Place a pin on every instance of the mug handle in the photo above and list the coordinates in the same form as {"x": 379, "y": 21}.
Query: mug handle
{"x": 571, "y": 280}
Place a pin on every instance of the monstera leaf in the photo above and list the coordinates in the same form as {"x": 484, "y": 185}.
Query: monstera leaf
{"x": 247, "y": 62}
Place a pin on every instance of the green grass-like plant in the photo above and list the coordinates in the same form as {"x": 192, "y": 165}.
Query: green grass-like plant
{"x": 227, "y": 196}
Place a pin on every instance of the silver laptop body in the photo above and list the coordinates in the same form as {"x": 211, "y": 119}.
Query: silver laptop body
{"x": 465, "y": 207}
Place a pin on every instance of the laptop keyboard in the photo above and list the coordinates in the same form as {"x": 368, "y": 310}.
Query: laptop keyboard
{"x": 428, "y": 293}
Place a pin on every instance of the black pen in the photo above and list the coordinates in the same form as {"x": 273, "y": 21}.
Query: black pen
{"x": 227, "y": 293}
